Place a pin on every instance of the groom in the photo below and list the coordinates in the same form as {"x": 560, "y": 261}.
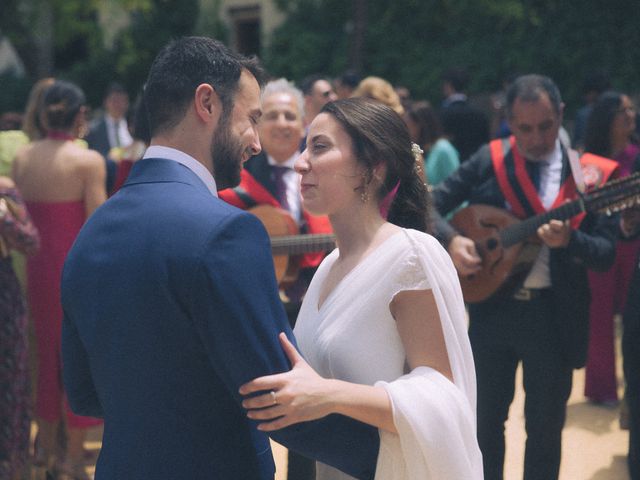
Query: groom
{"x": 170, "y": 297}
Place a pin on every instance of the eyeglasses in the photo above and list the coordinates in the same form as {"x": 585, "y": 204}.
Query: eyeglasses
{"x": 630, "y": 110}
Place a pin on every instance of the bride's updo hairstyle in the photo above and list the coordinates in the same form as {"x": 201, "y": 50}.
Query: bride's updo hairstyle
{"x": 60, "y": 105}
{"x": 379, "y": 135}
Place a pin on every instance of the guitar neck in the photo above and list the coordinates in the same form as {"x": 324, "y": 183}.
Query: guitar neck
{"x": 518, "y": 232}
{"x": 613, "y": 196}
{"x": 299, "y": 244}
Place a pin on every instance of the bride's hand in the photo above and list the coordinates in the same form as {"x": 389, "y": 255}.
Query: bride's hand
{"x": 295, "y": 396}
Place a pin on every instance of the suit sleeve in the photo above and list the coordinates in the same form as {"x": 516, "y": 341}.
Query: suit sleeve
{"x": 239, "y": 315}
{"x": 456, "y": 189}
{"x": 78, "y": 382}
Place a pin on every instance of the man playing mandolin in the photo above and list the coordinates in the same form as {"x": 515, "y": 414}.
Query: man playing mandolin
{"x": 539, "y": 315}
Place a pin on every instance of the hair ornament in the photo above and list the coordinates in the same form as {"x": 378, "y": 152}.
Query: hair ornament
{"x": 417, "y": 152}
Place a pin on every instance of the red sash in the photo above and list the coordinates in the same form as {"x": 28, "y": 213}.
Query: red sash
{"x": 250, "y": 193}
{"x": 597, "y": 171}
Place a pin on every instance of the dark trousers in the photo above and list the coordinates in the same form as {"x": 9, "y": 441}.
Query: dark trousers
{"x": 631, "y": 362}
{"x": 503, "y": 334}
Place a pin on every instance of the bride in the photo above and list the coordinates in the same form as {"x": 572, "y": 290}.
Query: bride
{"x": 383, "y": 322}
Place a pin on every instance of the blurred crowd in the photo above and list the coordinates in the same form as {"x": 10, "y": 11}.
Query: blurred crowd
{"x": 59, "y": 162}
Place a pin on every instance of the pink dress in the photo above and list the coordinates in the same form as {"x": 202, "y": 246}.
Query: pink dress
{"x": 58, "y": 224}
{"x": 608, "y": 297}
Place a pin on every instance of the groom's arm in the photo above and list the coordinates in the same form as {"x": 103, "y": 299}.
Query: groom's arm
{"x": 239, "y": 315}
{"x": 78, "y": 382}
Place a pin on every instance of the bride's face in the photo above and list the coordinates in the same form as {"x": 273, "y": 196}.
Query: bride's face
{"x": 331, "y": 177}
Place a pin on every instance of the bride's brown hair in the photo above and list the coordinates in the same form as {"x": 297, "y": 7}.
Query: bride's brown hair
{"x": 379, "y": 135}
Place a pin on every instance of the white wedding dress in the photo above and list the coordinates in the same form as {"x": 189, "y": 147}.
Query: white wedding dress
{"x": 353, "y": 337}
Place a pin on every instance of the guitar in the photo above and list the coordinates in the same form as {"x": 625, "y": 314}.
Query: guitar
{"x": 508, "y": 247}
{"x": 287, "y": 243}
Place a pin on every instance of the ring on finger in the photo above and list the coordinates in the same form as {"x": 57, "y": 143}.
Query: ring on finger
{"x": 273, "y": 397}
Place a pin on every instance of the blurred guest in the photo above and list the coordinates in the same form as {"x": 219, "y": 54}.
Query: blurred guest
{"x": 376, "y": 88}
{"x": 10, "y": 121}
{"x": 610, "y": 133}
{"x": 466, "y": 127}
{"x": 404, "y": 94}
{"x": 111, "y": 130}
{"x": 317, "y": 91}
{"x": 125, "y": 157}
{"x": 32, "y": 122}
{"x": 16, "y": 232}
{"x": 595, "y": 84}
{"x": 62, "y": 184}
{"x": 346, "y": 83}
{"x": 12, "y": 140}
{"x": 441, "y": 158}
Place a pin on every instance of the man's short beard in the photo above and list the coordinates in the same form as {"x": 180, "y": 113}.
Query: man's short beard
{"x": 226, "y": 153}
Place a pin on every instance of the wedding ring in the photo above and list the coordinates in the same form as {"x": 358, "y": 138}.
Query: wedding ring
{"x": 273, "y": 396}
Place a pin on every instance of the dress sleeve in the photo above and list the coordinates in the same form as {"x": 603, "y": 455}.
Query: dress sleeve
{"x": 435, "y": 418}
{"x": 408, "y": 275}
{"x": 16, "y": 228}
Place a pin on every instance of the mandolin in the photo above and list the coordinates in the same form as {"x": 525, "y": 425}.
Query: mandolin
{"x": 286, "y": 243}
{"x": 508, "y": 246}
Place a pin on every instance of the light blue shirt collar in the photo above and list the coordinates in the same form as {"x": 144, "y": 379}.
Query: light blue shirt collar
{"x": 157, "y": 151}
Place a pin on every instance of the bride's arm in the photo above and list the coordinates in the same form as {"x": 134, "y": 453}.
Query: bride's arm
{"x": 302, "y": 395}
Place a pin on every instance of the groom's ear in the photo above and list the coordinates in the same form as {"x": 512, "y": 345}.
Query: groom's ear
{"x": 207, "y": 103}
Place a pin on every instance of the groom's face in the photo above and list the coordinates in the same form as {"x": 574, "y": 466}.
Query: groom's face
{"x": 235, "y": 140}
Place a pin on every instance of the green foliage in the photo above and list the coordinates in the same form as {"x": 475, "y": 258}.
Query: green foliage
{"x": 149, "y": 31}
{"x": 77, "y": 45}
{"x": 412, "y": 42}
{"x": 13, "y": 92}
{"x": 311, "y": 40}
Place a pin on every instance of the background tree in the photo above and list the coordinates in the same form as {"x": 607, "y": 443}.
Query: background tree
{"x": 63, "y": 38}
{"x": 413, "y": 41}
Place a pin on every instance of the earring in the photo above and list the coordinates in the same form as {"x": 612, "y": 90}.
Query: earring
{"x": 364, "y": 195}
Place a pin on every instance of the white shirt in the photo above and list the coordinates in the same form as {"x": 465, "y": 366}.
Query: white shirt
{"x": 292, "y": 181}
{"x": 168, "y": 153}
{"x": 550, "y": 177}
{"x": 118, "y": 132}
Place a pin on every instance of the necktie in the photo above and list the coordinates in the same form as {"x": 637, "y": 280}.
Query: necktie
{"x": 281, "y": 185}
{"x": 533, "y": 168}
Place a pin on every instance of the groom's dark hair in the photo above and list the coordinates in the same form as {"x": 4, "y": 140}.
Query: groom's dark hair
{"x": 184, "y": 64}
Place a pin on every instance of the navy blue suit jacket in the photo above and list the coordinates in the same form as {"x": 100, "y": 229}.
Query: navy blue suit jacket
{"x": 170, "y": 305}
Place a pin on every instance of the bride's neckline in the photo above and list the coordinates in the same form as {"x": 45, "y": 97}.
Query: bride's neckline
{"x": 321, "y": 302}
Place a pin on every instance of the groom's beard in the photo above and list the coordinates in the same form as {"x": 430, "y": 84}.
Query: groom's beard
{"x": 226, "y": 152}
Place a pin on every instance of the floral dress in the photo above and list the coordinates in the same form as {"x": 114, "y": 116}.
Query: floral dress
{"x": 16, "y": 232}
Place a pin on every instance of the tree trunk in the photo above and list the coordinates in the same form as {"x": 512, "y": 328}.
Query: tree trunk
{"x": 356, "y": 52}
{"x": 43, "y": 39}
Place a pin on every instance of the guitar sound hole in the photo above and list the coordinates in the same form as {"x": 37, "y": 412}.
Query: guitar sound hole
{"x": 492, "y": 243}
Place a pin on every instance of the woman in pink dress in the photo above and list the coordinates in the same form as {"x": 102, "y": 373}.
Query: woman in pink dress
{"x": 62, "y": 184}
{"x": 610, "y": 133}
